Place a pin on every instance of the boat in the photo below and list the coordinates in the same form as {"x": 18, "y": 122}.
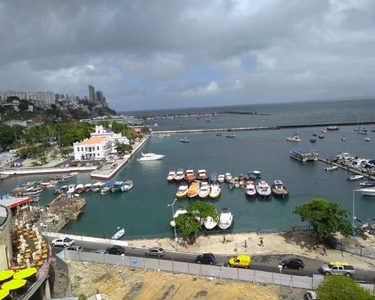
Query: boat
{"x": 355, "y": 177}
{"x": 225, "y": 219}
{"x": 127, "y": 185}
{"x": 333, "y": 128}
{"x": 210, "y": 223}
{"x": 228, "y": 177}
{"x": 263, "y": 189}
{"x": 182, "y": 190}
{"x": 178, "y": 212}
{"x": 215, "y": 190}
{"x": 221, "y": 178}
{"x": 105, "y": 190}
{"x": 230, "y": 136}
{"x": 184, "y": 140}
{"x": 315, "y": 134}
{"x": 204, "y": 190}
{"x": 323, "y": 131}
{"x": 179, "y": 175}
{"x": 369, "y": 191}
{"x": 150, "y": 156}
{"x": 202, "y": 175}
{"x": 279, "y": 190}
{"x": 213, "y": 177}
{"x": 71, "y": 189}
{"x": 364, "y": 132}
{"x": 117, "y": 186}
{"x": 118, "y": 234}
{"x": 87, "y": 187}
{"x": 331, "y": 168}
{"x": 190, "y": 176}
{"x": 193, "y": 189}
{"x": 219, "y": 134}
{"x": 367, "y": 184}
{"x": 96, "y": 186}
{"x": 313, "y": 140}
{"x": 304, "y": 155}
{"x": 321, "y": 136}
{"x": 79, "y": 188}
{"x": 367, "y": 139}
{"x": 359, "y": 127}
{"x": 250, "y": 190}
{"x": 257, "y": 174}
{"x": 343, "y": 138}
{"x": 33, "y": 192}
{"x": 295, "y": 138}
{"x": 171, "y": 175}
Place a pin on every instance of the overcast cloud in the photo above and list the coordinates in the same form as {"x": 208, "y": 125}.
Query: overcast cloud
{"x": 169, "y": 53}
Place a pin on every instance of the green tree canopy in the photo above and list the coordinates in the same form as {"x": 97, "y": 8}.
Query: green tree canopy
{"x": 122, "y": 148}
{"x": 326, "y": 218}
{"x": 203, "y": 210}
{"x": 342, "y": 288}
{"x": 188, "y": 224}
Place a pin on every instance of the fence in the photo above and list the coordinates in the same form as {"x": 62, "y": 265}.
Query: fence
{"x": 220, "y": 272}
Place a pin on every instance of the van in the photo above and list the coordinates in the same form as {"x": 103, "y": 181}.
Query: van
{"x": 240, "y": 261}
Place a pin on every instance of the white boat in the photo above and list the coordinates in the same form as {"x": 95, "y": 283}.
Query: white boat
{"x": 179, "y": 175}
{"x": 87, "y": 187}
{"x": 225, "y": 219}
{"x": 228, "y": 177}
{"x": 105, "y": 190}
{"x": 71, "y": 189}
{"x": 184, "y": 140}
{"x": 367, "y": 139}
{"x": 355, "y": 177}
{"x": 215, "y": 190}
{"x": 331, "y": 168}
{"x": 221, "y": 178}
{"x": 118, "y": 234}
{"x": 263, "y": 189}
{"x": 257, "y": 174}
{"x": 150, "y": 156}
{"x": 204, "y": 190}
{"x": 96, "y": 186}
{"x": 179, "y": 211}
{"x": 128, "y": 185}
{"x": 293, "y": 139}
{"x": 171, "y": 175}
{"x": 250, "y": 190}
{"x": 370, "y": 191}
{"x": 182, "y": 190}
{"x": 202, "y": 175}
{"x": 80, "y": 188}
{"x": 210, "y": 223}
{"x": 278, "y": 189}
{"x": 117, "y": 186}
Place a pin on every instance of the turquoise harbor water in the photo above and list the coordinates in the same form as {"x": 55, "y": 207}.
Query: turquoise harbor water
{"x": 144, "y": 212}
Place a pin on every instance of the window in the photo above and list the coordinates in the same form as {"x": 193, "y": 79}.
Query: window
{"x": 97, "y": 148}
{"x": 77, "y": 149}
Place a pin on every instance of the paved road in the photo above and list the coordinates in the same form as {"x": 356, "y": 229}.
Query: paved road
{"x": 268, "y": 263}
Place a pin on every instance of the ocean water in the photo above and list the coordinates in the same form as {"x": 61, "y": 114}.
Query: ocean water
{"x": 144, "y": 210}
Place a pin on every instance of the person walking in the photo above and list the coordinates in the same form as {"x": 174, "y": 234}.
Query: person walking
{"x": 261, "y": 244}
{"x": 324, "y": 251}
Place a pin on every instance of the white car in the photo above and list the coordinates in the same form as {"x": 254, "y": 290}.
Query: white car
{"x": 311, "y": 295}
{"x": 62, "y": 242}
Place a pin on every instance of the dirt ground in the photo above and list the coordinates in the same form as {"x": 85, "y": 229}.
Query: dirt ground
{"x": 121, "y": 283}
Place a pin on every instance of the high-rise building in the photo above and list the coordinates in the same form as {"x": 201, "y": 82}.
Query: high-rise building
{"x": 99, "y": 97}
{"x": 92, "y": 94}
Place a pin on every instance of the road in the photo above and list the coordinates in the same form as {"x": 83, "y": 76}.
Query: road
{"x": 268, "y": 263}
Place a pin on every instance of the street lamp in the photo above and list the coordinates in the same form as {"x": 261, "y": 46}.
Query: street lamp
{"x": 174, "y": 221}
{"x": 280, "y": 269}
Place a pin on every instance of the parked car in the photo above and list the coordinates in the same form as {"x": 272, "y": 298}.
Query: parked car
{"x": 100, "y": 251}
{"x": 206, "y": 258}
{"x": 240, "y": 261}
{"x": 62, "y": 242}
{"x": 75, "y": 248}
{"x": 116, "y": 249}
{"x": 155, "y": 251}
{"x": 293, "y": 263}
{"x": 311, "y": 295}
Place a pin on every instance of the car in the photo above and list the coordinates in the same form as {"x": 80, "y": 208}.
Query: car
{"x": 116, "y": 249}
{"x": 75, "y": 248}
{"x": 100, "y": 251}
{"x": 293, "y": 263}
{"x": 206, "y": 258}
{"x": 62, "y": 242}
{"x": 311, "y": 295}
{"x": 155, "y": 251}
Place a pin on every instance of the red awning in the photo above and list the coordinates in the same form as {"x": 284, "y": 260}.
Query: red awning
{"x": 19, "y": 203}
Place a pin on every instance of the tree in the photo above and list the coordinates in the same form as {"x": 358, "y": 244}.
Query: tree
{"x": 122, "y": 148}
{"x": 203, "y": 210}
{"x": 342, "y": 288}
{"x": 326, "y": 218}
{"x": 23, "y": 107}
{"x": 188, "y": 224}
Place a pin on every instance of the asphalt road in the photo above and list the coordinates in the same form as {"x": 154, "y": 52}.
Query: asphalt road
{"x": 268, "y": 263}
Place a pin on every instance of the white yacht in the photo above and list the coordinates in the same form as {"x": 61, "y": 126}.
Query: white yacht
{"x": 128, "y": 185}
{"x": 171, "y": 175}
{"x": 250, "y": 190}
{"x": 226, "y": 218}
{"x": 150, "y": 156}
{"x": 263, "y": 189}
{"x": 210, "y": 223}
{"x": 182, "y": 190}
{"x": 179, "y": 175}
{"x": 215, "y": 190}
{"x": 204, "y": 190}
{"x": 221, "y": 178}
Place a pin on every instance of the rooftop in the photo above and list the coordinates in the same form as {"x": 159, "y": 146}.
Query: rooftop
{"x": 93, "y": 140}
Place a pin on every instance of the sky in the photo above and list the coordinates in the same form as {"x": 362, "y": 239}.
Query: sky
{"x": 161, "y": 54}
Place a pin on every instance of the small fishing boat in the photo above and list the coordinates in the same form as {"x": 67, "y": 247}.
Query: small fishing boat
{"x": 367, "y": 184}
{"x": 79, "y": 188}
{"x": 128, "y": 185}
{"x": 171, "y": 175}
{"x": 118, "y": 234}
{"x": 105, "y": 190}
{"x": 210, "y": 223}
{"x": 215, "y": 190}
{"x": 117, "y": 186}
{"x": 190, "y": 176}
{"x": 279, "y": 190}
{"x": 321, "y": 136}
{"x": 71, "y": 189}
{"x": 263, "y": 189}
{"x": 87, "y": 187}
{"x": 367, "y": 139}
{"x": 193, "y": 190}
{"x": 202, "y": 175}
{"x": 221, "y": 178}
{"x": 228, "y": 177}
{"x": 333, "y": 128}
{"x": 96, "y": 186}
{"x": 230, "y": 136}
{"x": 184, "y": 140}
{"x": 219, "y": 134}
{"x": 355, "y": 177}
{"x": 225, "y": 219}
{"x": 295, "y": 138}
{"x": 343, "y": 138}
{"x": 182, "y": 190}
{"x": 368, "y": 191}
{"x": 313, "y": 140}
{"x": 315, "y": 134}
{"x": 257, "y": 174}
{"x": 179, "y": 175}
{"x": 331, "y": 168}
{"x": 204, "y": 190}
{"x": 250, "y": 190}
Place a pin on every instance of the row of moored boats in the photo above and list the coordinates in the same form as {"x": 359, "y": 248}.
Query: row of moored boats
{"x": 97, "y": 187}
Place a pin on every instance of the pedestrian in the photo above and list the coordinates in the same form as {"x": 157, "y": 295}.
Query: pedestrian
{"x": 261, "y": 242}
{"x": 293, "y": 226}
{"x": 245, "y": 244}
{"x": 324, "y": 251}
{"x": 224, "y": 239}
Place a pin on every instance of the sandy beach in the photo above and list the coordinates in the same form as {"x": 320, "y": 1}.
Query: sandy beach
{"x": 297, "y": 243}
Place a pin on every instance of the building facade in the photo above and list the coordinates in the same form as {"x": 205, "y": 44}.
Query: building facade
{"x": 5, "y": 238}
{"x": 92, "y": 96}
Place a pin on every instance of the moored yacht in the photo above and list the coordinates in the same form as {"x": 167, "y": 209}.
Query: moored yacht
{"x": 221, "y": 178}
{"x": 250, "y": 190}
{"x": 263, "y": 189}
{"x": 202, "y": 175}
{"x": 179, "y": 175}
{"x": 215, "y": 190}
{"x": 295, "y": 138}
{"x": 228, "y": 177}
{"x": 150, "y": 156}
{"x": 128, "y": 185}
{"x": 190, "y": 176}
{"x": 79, "y": 188}
{"x": 117, "y": 186}
{"x": 171, "y": 175}
{"x": 204, "y": 190}
{"x": 87, "y": 187}
{"x": 225, "y": 219}
{"x": 278, "y": 189}
{"x": 97, "y": 186}
{"x": 182, "y": 190}
{"x": 193, "y": 190}
{"x": 210, "y": 223}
